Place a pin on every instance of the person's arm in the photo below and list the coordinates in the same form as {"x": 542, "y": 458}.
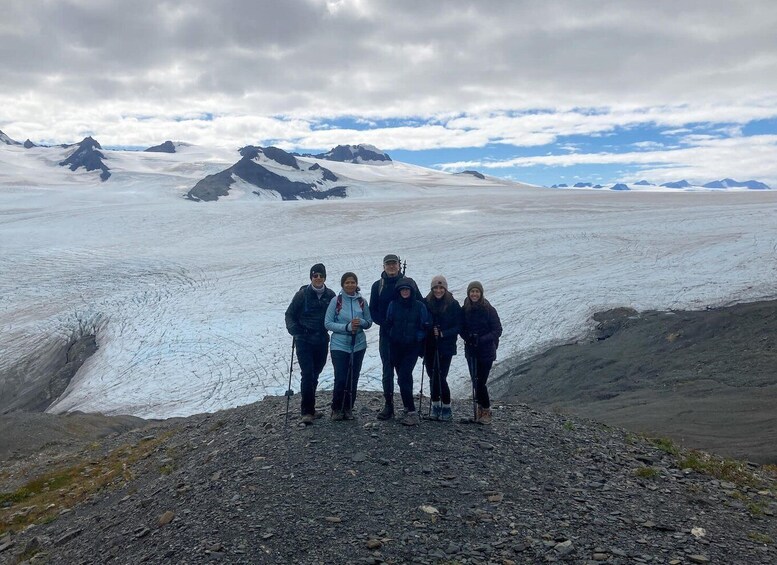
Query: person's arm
{"x": 375, "y": 303}
{"x": 366, "y": 321}
{"x": 329, "y": 319}
{"x": 292, "y": 315}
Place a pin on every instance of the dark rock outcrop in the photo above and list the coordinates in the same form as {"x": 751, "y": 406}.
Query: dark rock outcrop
{"x": 166, "y": 147}
{"x": 88, "y": 156}
{"x": 29, "y": 144}
{"x": 679, "y": 184}
{"x": 354, "y": 154}
{"x": 620, "y": 186}
{"x": 213, "y": 187}
{"x": 7, "y": 140}
{"x": 731, "y": 183}
{"x": 475, "y": 174}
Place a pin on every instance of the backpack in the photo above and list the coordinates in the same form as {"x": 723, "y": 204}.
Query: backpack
{"x": 339, "y": 304}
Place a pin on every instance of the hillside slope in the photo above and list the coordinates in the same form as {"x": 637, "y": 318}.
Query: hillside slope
{"x": 237, "y": 487}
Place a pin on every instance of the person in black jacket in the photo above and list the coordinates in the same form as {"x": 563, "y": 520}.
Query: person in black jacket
{"x": 407, "y": 322}
{"x": 481, "y": 330}
{"x": 305, "y": 321}
{"x": 381, "y": 295}
{"x": 441, "y": 345}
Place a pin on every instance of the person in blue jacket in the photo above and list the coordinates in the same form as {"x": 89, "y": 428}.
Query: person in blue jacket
{"x": 347, "y": 316}
{"x": 407, "y": 322}
{"x": 441, "y": 345}
{"x": 305, "y": 321}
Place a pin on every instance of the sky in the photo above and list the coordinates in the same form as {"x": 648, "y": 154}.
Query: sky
{"x": 543, "y": 92}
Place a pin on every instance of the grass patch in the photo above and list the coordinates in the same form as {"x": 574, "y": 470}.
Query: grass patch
{"x": 729, "y": 470}
{"x": 569, "y": 426}
{"x": 760, "y": 538}
{"x": 665, "y": 444}
{"x": 647, "y": 473}
{"x": 44, "y": 497}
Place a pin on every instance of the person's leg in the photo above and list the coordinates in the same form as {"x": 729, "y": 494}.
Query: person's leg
{"x": 358, "y": 357}
{"x": 445, "y": 366}
{"x": 319, "y": 362}
{"x": 340, "y": 360}
{"x": 430, "y": 364}
{"x": 388, "y": 369}
{"x": 484, "y": 368}
{"x": 405, "y": 362}
{"x": 308, "y": 380}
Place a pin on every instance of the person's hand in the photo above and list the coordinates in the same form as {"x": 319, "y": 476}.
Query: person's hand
{"x": 473, "y": 340}
{"x": 355, "y": 325}
{"x": 436, "y": 331}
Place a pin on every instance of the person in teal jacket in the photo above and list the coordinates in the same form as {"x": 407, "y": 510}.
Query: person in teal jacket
{"x": 347, "y": 316}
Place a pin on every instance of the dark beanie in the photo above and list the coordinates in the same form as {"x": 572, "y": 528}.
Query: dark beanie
{"x": 477, "y": 285}
{"x": 318, "y": 268}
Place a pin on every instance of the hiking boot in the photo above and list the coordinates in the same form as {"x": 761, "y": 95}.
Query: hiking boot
{"x": 485, "y": 416}
{"x": 347, "y": 414}
{"x": 318, "y": 414}
{"x": 411, "y": 419}
{"x": 436, "y": 410}
{"x": 337, "y": 415}
{"x": 446, "y": 414}
{"x": 307, "y": 419}
{"x": 387, "y": 413}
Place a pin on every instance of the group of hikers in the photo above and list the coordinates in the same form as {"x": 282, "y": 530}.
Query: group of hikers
{"x": 411, "y": 327}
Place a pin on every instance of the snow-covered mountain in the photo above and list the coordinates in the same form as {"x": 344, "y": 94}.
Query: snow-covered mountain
{"x": 361, "y": 153}
{"x": 187, "y": 299}
{"x": 270, "y": 172}
{"x": 7, "y": 140}
{"x": 731, "y": 183}
{"x": 644, "y": 185}
{"x": 87, "y": 154}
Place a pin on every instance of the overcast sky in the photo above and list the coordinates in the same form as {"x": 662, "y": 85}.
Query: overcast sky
{"x": 541, "y": 91}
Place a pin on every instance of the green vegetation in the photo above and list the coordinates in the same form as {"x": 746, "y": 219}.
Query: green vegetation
{"x": 760, "y": 538}
{"x": 43, "y": 498}
{"x": 647, "y": 472}
{"x": 666, "y": 445}
{"x": 569, "y": 426}
{"x": 736, "y": 472}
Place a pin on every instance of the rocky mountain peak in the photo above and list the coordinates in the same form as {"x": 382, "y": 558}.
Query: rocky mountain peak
{"x": 361, "y": 153}
{"x": 87, "y": 155}
{"x": 7, "y": 140}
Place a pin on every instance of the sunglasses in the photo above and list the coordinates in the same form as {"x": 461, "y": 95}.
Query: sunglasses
{"x": 318, "y": 276}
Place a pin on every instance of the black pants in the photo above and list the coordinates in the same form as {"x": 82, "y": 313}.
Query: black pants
{"x": 343, "y": 395}
{"x": 403, "y": 359}
{"x": 311, "y": 358}
{"x": 479, "y": 370}
{"x": 388, "y": 368}
{"x": 440, "y": 388}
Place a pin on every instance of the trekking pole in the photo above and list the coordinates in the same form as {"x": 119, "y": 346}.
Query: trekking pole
{"x": 289, "y": 393}
{"x": 349, "y": 380}
{"x": 473, "y": 375}
{"x": 436, "y": 368}
{"x": 404, "y": 267}
{"x": 421, "y": 394}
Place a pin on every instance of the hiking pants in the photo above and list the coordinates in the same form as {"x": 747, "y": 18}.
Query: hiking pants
{"x": 403, "y": 358}
{"x": 384, "y": 347}
{"x": 343, "y": 395}
{"x": 440, "y": 388}
{"x": 483, "y": 367}
{"x": 311, "y": 358}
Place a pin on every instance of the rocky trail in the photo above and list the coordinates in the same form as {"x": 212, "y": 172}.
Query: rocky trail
{"x": 236, "y": 486}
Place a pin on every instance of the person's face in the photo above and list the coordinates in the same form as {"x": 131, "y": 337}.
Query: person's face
{"x": 349, "y": 285}
{"x": 438, "y": 291}
{"x": 474, "y": 294}
{"x": 391, "y": 268}
{"x": 318, "y": 280}
{"x": 404, "y": 292}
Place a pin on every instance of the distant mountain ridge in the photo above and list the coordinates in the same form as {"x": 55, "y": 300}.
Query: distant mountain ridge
{"x": 289, "y": 180}
{"x": 88, "y": 156}
{"x": 681, "y": 184}
{"x": 7, "y": 140}
{"x": 358, "y": 154}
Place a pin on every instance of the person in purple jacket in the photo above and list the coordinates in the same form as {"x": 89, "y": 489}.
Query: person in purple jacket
{"x": 481, "y": 330}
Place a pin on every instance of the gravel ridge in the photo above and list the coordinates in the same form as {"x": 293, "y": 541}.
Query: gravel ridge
{"x": 237, "y": 486}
